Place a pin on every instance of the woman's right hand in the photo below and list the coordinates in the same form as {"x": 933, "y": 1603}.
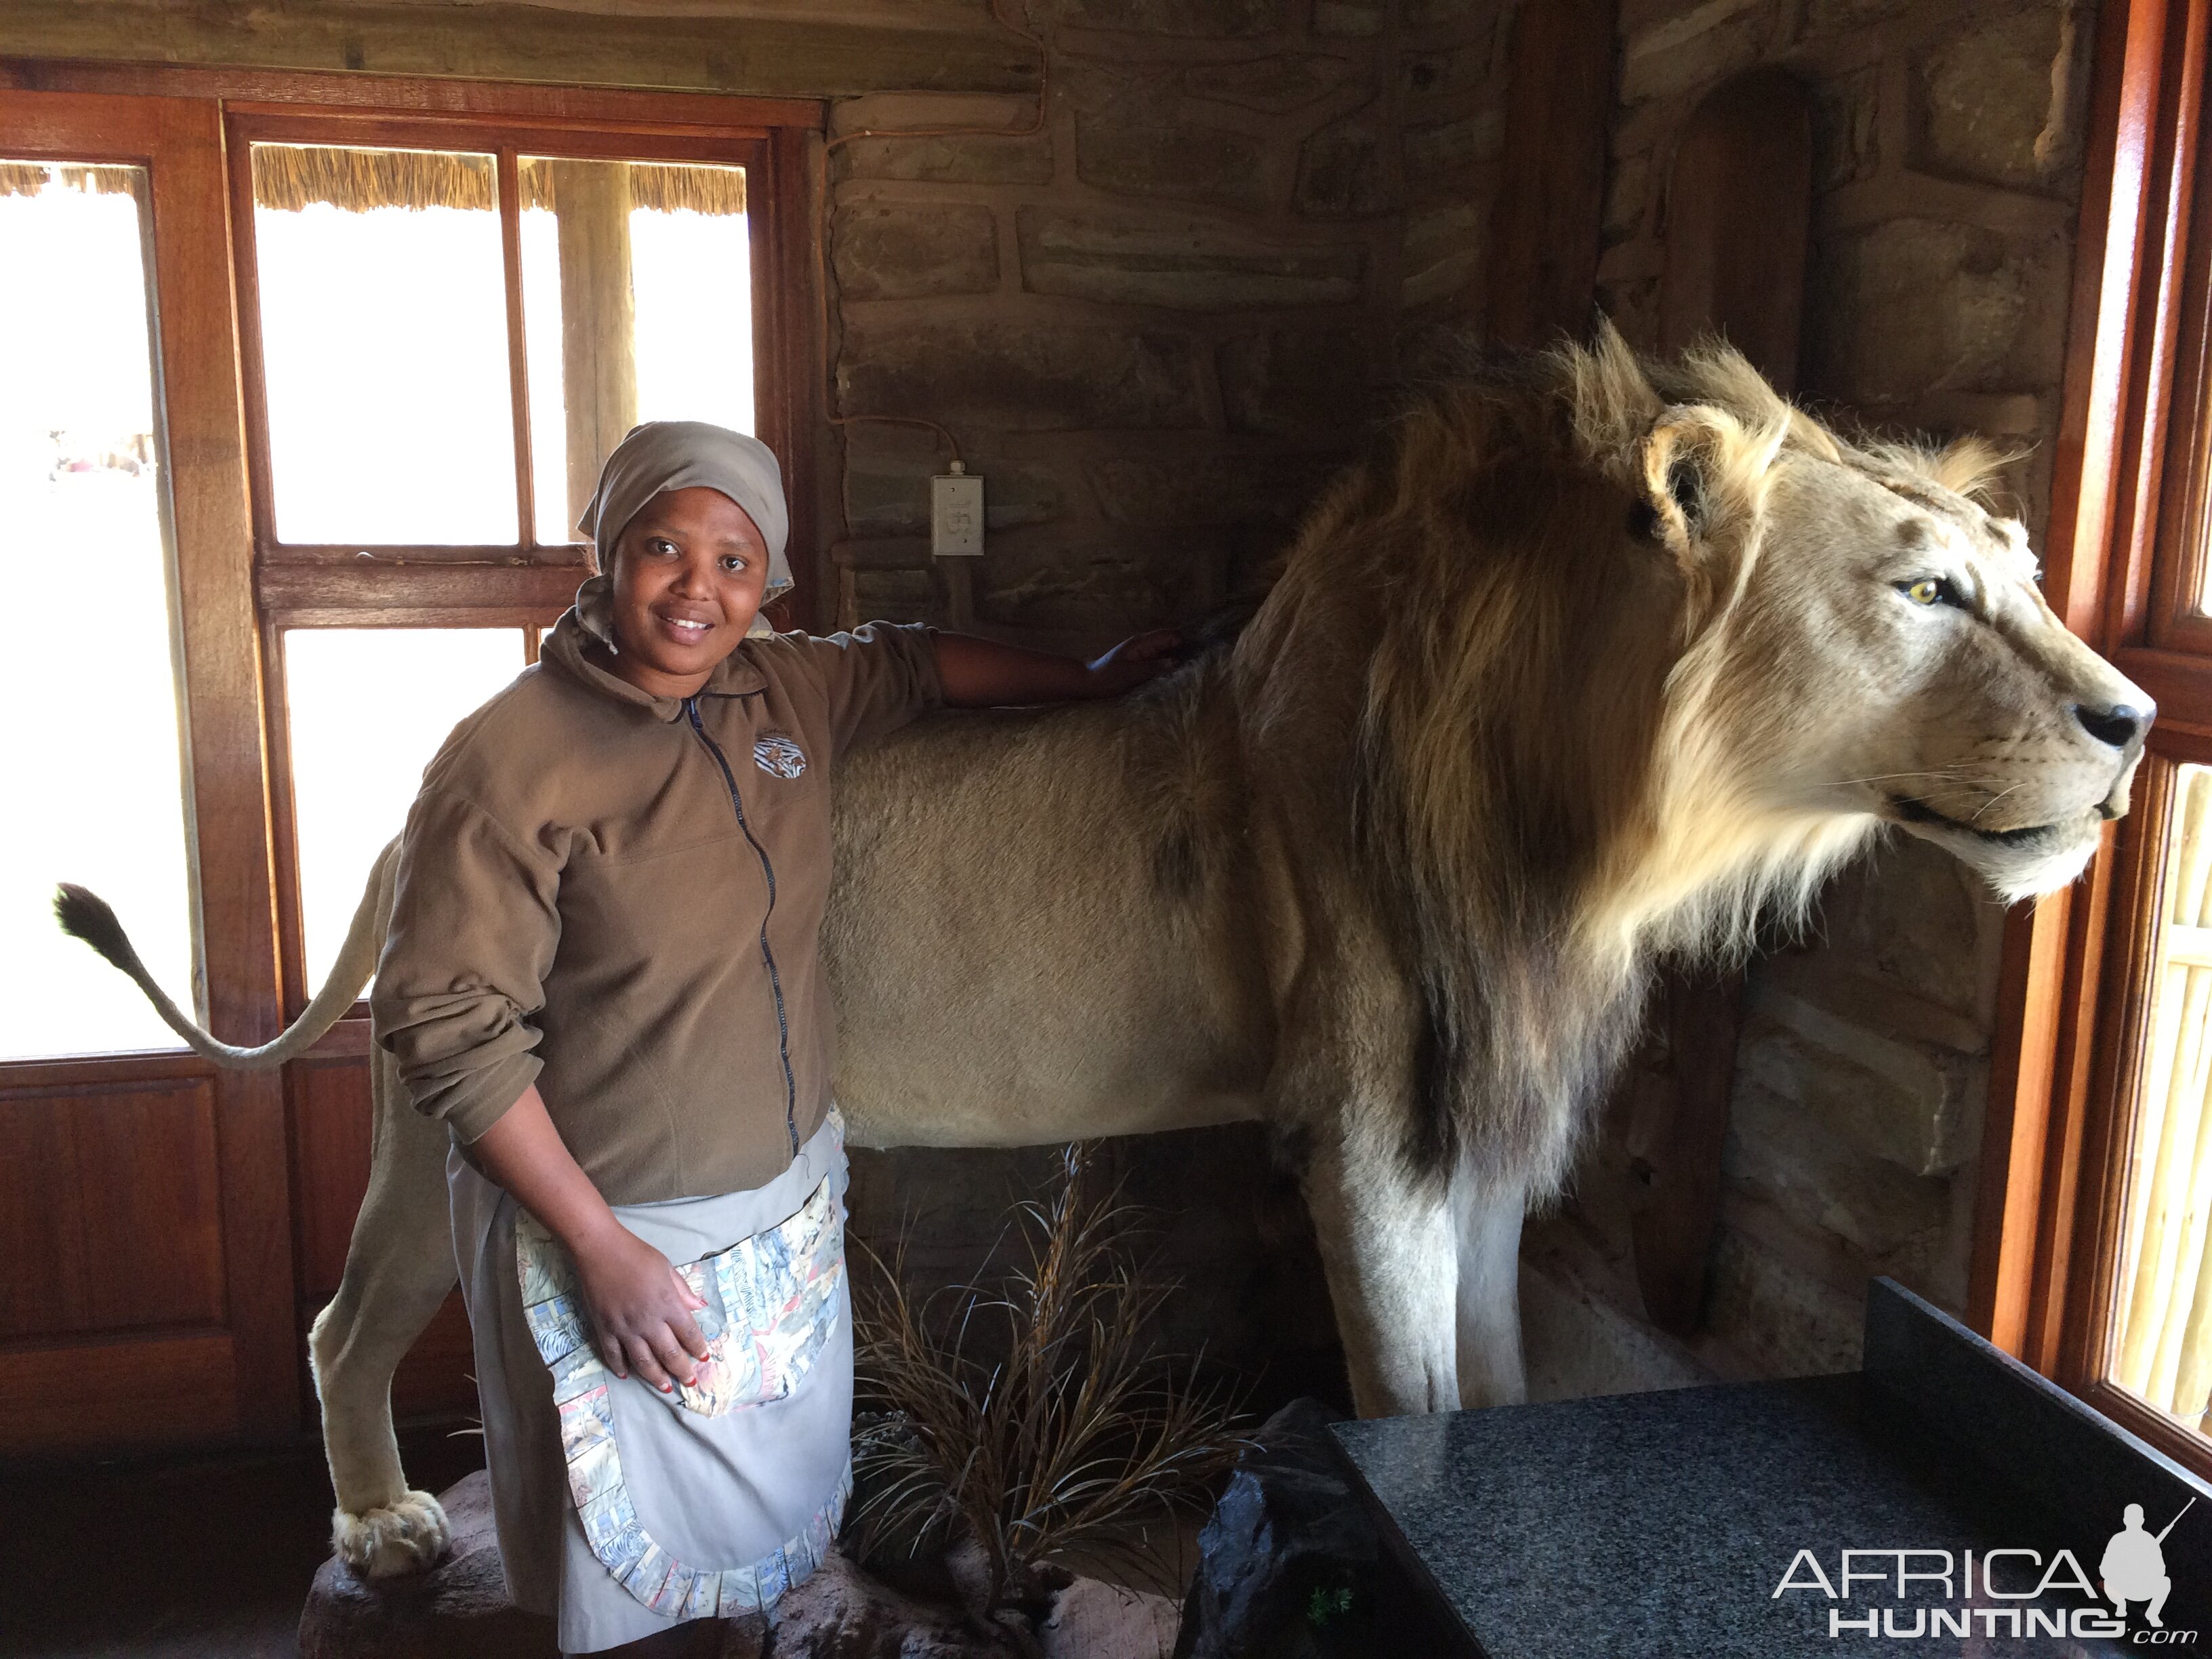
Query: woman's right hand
{"x": 641, "y": 1310}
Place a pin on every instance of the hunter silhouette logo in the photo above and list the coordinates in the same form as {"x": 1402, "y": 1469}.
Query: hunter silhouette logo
{"x": 2134, "y": 1567}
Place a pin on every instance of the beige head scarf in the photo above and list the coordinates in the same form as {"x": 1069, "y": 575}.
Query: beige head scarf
{"x": 680, "y": 455}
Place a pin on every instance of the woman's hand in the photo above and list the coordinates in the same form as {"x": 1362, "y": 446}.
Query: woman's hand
{"x": 1140, "y": 657}
{"x": 641, "y": 1310}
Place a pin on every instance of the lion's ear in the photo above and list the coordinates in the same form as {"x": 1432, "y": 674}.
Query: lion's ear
{"x": 1701, "y": 471}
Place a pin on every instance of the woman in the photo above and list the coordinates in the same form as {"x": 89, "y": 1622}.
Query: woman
{"x": 603, "y": 973}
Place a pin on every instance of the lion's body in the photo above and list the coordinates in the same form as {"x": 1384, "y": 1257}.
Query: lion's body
{"x": 1571, "y": 674}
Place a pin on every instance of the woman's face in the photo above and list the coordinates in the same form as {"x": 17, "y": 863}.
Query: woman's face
{"x": 690, "y": 571}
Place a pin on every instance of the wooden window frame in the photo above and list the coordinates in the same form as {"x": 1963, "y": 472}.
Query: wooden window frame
{"x": 2131, "y": 495}
{"x": 239, "y": 589}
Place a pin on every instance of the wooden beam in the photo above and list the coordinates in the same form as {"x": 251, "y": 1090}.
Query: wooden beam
{"x": 1547, "y": 222}
{"x": 761, "y": 56}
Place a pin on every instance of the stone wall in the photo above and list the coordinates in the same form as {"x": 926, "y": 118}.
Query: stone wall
{"x": 1153, "y": 325}
{"x": 1948, "y": 143}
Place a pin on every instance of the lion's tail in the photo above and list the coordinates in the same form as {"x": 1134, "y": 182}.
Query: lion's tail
{"x": 84, "y": 914}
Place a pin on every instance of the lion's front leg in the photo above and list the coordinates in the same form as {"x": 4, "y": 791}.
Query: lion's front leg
{"x": 1386, "y": 1243}
{"x": 398, "y": 1269}
{"x": 1488, "y": 1221}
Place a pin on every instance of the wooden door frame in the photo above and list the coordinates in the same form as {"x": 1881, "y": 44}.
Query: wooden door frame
{"x": 179, "y": 142}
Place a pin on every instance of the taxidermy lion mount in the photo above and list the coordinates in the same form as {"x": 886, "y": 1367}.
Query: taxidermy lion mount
{"x": 1593, "y": 660}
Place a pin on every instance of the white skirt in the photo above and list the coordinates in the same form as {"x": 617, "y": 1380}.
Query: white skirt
{"x": 621, "y": 1510}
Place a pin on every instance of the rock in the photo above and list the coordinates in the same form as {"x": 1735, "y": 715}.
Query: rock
{"x": 1435, "y": 74}
{"x": 1215, "y": 18}
{"x": 1024, "y": 377}
{"x": 1265, "y": 490}
{"x": 457, "y": 1610}
{"x": 842, "y": 1613}
{"x": 1342, "y": 171}
{"x": 1443, "y": 250}
{"x": 1287, "y": 1547}
{"x": 900, "y": 596}
{"x": 1287, "y": 384}
{"x": 896, "y": 252}
{"x": 1912, "y": 1104}
{"x": 1913, "y": 306}
{"x": 1823, "y": 1180}
{"x": 971, "y": 159}
{"x": 1348, "y": 19}
{"x": 1450, "y": 147}
{"x": 1136, "y": 150}
{"x": 1992, "y": 104}
{"x": 1694, "y": 48}
{"x": 1178, "y": 263}
{"x": 1274, "y": 86}
{"x": 1846, "y": 141}
{"x": 1092, "y": 1620}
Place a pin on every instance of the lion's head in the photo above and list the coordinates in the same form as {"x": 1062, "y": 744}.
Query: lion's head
{"x": 1639, "y": 651}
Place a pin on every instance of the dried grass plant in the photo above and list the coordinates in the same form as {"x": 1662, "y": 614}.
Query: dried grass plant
{"x": 1030, "y": 1415}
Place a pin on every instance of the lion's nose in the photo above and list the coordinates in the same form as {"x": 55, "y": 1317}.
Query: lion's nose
{"x": 2120, "y": 725}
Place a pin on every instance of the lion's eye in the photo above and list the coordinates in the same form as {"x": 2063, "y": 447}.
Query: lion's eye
{"x": 1929, "y": 589}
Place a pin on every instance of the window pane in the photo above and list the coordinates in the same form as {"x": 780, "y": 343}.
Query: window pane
{"x": 637, "y": 306}
{"x": 2162, "y": 1313}
{"x": 384, "y": 345}
{"x": 367, "y": 708}
{"x": 88, "y": 746}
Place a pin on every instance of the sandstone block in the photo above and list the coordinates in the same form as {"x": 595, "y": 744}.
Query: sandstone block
{"x": 1444, "y": 73}
{"x": 1994, "y": 103}
{"x": 1694, "y": 48}
{"x": 1131, "y": 151}
{"x": 1916, "y": 1106}
{"x": 1104, "y": 587}
{"x": 899, "y": 596}
{"x": 1450, "y": 147}
{"x": 1915, "y": 918}
{"x": 887, "y": 251}
{"x": 1178, "y": 263}
{"x": 1348, "y": 19}
{"x": 1845, "y": 141}
{"x": 456, "y": 1610}
{"x": 1914, "y": 306}
{"x": 1627, "y": 196}
{"x": 1824, "y": 1181}
{"x": 1786, "y": 1321}
{"x": 1481, "y": 15}
{"x": 887, "y": 473}
{"x": 1274, "y": 86}
{"x": 1443, "y": 250}
{"x": 1207, "y": 490}
{"x": 1343, "y": 172}
{"x": 1824, "y": 15}
{"x": 1192, "y": 18}
{"x": 1021, "y": 377}
{"x": 1289, "y": 384}
{"x": 971, "y": 161}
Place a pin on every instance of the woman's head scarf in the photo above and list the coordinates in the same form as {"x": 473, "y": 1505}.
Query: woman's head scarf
{"x": 680, "y": 455}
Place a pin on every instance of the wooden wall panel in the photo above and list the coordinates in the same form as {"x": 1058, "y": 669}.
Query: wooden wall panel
{"x": 179, "y": 1390}
{"x": 110, "y": 1210}
{"x": 331, "y": 1120}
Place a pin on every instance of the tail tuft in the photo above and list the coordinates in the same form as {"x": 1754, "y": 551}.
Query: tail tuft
{"x": 84, "y": 914}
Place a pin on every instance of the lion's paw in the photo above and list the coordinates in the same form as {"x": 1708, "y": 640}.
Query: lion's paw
{"x": 409, "y": 1536}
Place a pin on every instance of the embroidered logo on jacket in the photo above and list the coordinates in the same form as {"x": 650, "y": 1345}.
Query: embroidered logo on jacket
{"x": 779, "y": 757}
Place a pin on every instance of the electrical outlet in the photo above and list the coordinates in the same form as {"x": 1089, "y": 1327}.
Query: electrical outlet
{"x": 956, "y": 514}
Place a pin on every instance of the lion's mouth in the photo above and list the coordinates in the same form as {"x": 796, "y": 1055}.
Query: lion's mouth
{"x": 1919, "y": 812}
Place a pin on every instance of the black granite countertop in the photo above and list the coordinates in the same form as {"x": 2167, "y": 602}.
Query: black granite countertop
{"x": 1664, "y": 1523}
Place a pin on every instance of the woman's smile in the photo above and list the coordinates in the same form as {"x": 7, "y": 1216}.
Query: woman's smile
{"x": 689, "y": 572}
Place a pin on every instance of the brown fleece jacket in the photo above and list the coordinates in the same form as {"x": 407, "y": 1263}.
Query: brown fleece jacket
{"x": 619, "y": 897}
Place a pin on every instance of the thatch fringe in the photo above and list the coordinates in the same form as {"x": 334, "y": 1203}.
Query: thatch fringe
{"x": 30, "y": 178}
{"x": 287, "y": 177}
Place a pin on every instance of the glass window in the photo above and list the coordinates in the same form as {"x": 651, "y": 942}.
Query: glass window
{"x": 366, "y": 708}
{"x": 383, "y": 303}
{"x": 88, "y": 747}
{"x": 637, "y": 306}
{"x": 2162, "y": 1315}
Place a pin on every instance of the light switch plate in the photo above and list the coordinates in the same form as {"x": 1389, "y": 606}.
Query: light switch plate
{"x": 956, "y": 515}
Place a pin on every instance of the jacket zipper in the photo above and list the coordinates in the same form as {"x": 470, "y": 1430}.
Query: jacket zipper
{"x": 767, "y": 955}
